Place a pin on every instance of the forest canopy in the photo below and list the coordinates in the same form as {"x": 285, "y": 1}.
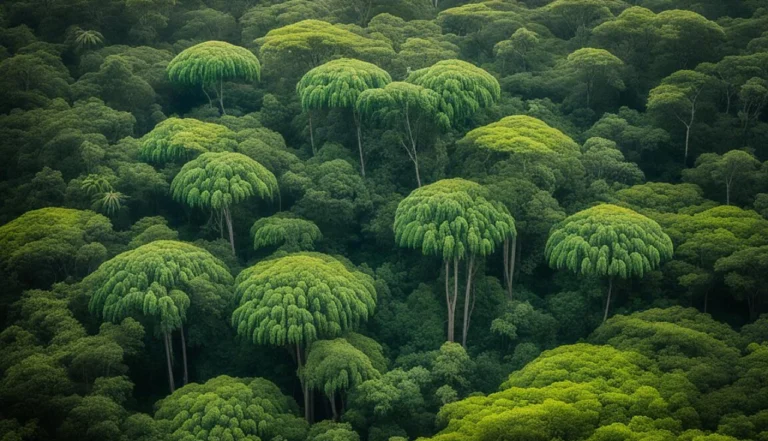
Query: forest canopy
{"x": 384, "y": 220}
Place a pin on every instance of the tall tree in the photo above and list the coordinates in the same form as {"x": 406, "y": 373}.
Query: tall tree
{"x": 746, "y": 272}
{"x": 336, "y": 367}
{"x": 596, "y": 68}
{"x": 216, "y": 181}
{"x": 463, "y": 88}
{"x": 677, "y": 98}
{"x": 155, "y": 281}
{"x": 338, "y": 84}
{"x": 732, "y": 171}
{"x": 295, "y": 300}
{"x": 211, "y": 63}
{"x": 455, "y": 220}
{"x": 410, "y": 109}
{"x": 608, "y": 241}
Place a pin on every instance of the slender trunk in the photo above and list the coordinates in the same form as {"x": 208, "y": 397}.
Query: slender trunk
{"x": 687, "y": 142}
{"x": 311, "y": 134}
{"x": 228, "y": 218}
{"x": 360, "y": 142}
{"x": 414, "y": 153}
{"x": 333, "y": 407}
{"x": 727, "y": 192}
{"x": 416, "y": 164}
{"x": 184, "y": 355}
{"x": 448, "y": 298}
{"x": 168, "y": 361}
{"x": 510, "y": 255}
{"x": 467, "y": 295}
{"x": 608, "y": 301}
{"x": 221, "y": 97}
{"x": 210, "y": 101}
{"x": 303, "y": 385}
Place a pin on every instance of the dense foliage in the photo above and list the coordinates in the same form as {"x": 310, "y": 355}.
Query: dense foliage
{"x": 384, "y": 220}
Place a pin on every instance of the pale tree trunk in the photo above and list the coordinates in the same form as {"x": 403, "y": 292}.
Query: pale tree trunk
{"x": 166, "y": 340}
{"x": 510, "y": 254}
{"x": 184, "y": 355}
{"x": 728, "y": 182}
{"x": 608, "y": 300}
{"x": 305, "y": 388}
{"x": 356, "y": 117}
{"x": 333, "y": 408}
{"x": 311, "y": 134}
{"x": 467, "y": 295}
{"x": 413, "y": 151}
{"x": 228, "y": 219}
{"x": 210, "y": 101}
{"x": 221, "y": 97}
{"x": 451, "y": 297}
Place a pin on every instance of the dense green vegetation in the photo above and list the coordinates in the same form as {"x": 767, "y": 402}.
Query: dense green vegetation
{"x": 384, "y": 220}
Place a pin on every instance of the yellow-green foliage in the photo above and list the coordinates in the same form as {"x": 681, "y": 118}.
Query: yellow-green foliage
{"x": 524, "y": 136}
{"x": 49, "y": 235}
{"x": 339, "y": 83}
{"x": 315, "y": 41}
{"x": 213, "y": 61}
{"x": 285, "y": 231}
{"x": 452, "y": 219}
{"x": 471, "y": 17}
{"x": 218, "y": 180}
{"x": 463, "y": 87}
{"x": 607, "y": 240}
{"x": 227, "y": 408}
{"x": 336, "y": 365}
{"x": 568, "y": 393}
{"x": 370, "y": 347}
{"x": 177, "y": 139}
{"x": 151, "y": 280}
{"x": 300, "y": 298}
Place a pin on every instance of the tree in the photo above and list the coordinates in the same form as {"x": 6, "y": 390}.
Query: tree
{"x": 338, "y": 84}
{"x": 631, "y": 36}
{"x": 678, "y": 96}
{"x": 288, "y": 232}
{"x": 754, "y": 97}
{"x": 677, "y": 28}
{"x": 155, "y": 281}
{"x": 603, "y": 160}
{"x": 216, "y": 181}
{"x": 335, "y": 367}
{"x": 517, "y": 48}
{"x": 211, "y": 63}
{"x": 177, "y": 139}
{"x": 566, "y": 17}
{"x": 463, "y": 88}
{"x": 295, "y": 300}
{"x": 455, "y": 220}
{"x": 42, "y": 244}
{"x": 662, "y": 197}
{"x": 608, "y": 241}
{"x": 595, "y": 68}
{"x": 311, "y": 43}
{"x": 734, "y": 169}
{"x": 224, "y": 407}
{"x": 746, "y": 272}
{"x": 410, "y": 109}
{"x": 87, "y": 39}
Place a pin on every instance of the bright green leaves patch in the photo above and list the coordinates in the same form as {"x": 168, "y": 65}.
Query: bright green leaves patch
{"x": 213, "y": 61}
{"x": 300, "y": 298}
{"x": 338, "y": 83}
{"x": 177, "y": 139}
{"x": 607, "y": 240}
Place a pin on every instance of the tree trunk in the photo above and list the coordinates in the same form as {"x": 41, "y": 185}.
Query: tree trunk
{"x": 510, "y": 254}
{"x": 608, "y": 301}
{"x": 727, "y": 192}
{"x": 356, "y": 117}
{"x": 311, "y": 134}
{"x": 171, "y": 384}
{"x": 467, "y": 295}
{"x": 221, "y": 97}
{"x": 304, "y": 386}
{"x": 333, "y": 408}
{"x": 210, "y": 101}
{"x": 228, "y": 218}
{"x": 184, "y": 355}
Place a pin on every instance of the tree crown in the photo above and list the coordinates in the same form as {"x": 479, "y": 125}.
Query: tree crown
{"x": 214, "y": 61}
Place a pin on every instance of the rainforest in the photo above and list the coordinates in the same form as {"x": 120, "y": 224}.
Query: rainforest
{"x": 384, "y": 220}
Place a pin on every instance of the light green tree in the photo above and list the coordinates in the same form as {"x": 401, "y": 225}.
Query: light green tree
{"x": 286, "y": 231}
{"x": 410, "y": 109}
{"x": 211, "y": 63}
{"x": 517, "y": 49}
{"x": 216, "y": 181}
{"x": 295, "y": 300}
{"x": 677, "y": 98}
{"x": 596, "y": 68}
{"x": 455, "y": 220}
{"x": 335, "y": 367}
{"x": 177, "y": 139}
{"x": 608, "y": 241}
{"x": 227, "y": 408}
{"x": 155, "y": 281}
{"x": 338, "y": 84}
{"x": 463, "y": 88}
